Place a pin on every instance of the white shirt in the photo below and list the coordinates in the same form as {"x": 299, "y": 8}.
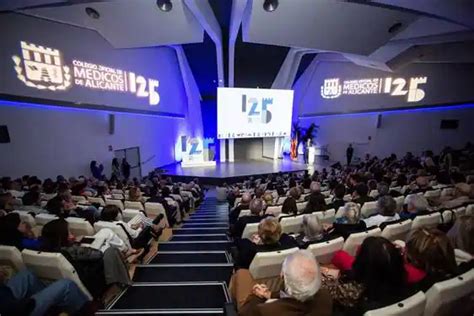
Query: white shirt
{"x": 378, "y": 219}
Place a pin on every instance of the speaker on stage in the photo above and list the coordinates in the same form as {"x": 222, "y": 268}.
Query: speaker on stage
{"x": 379, "y": 121}
{"x": 111, "y": 124}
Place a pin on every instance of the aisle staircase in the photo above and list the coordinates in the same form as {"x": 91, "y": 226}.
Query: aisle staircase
{"x": 190, "y": 273}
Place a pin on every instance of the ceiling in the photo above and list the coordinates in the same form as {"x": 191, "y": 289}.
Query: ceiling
{"x": 384, "y": 34}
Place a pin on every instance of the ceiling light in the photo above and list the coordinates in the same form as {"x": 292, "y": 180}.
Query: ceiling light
{"x": 164, "y": 5}
{"x": 395, "y": 28}
{"x": 270, "y": 5}
{"x": 93, "y": 13}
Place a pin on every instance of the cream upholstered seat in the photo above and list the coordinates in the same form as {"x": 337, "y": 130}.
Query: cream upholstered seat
{"x": 412, "y": 306}
{"x": 428, "y": 221}
{"x": 442, "y": 297}
{"x": 397, "y": 231}
{"x": 43, "y": 219}
{"x": 52, "y": 266}
{"x": 118, "y": 230}
{"x": 97, "y": 200}
{"x": 134, "y": 205}
{"x": 26, "y": 217}
{"x": 326, "y": 217}
{"x": 117, "y": 203}
{"x": 274, "y": 210}
{"x": 355, "y": 240}
{"x": 11, "y": 256}
{"x": 268, "y": 264}
{"x": 369, "y": 208}
{"x": 80, "y": 226}
{"x": 154, "y": 209}
{"x": 249, "y": 230}
{"x": 292, "y": 224}
{"x": 324, "y": 251}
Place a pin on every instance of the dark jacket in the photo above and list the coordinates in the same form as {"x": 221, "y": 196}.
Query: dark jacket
{"x": 345, "y": 230}
{"x": 234, "y": 214}
{"x": 336, "y": 204}
{"x": 319, "y": 305}
{"x": 361, "y": 200}
{"x": 289, "y": 206}
{"x": 247, "y": 249}
{"x": 303, "y": 244}
{"x": 316, "y": 203}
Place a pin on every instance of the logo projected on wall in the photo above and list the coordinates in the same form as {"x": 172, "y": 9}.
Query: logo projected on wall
{"x": 257, "y": 112}
{"x": 43, "y": 68}
{"x": 333, "y": 88}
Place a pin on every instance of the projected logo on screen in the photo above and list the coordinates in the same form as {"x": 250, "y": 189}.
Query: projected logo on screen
{"x": 43, "y": 68}
{"x": 333, "y": 88}
{"x": 257, "y": 112}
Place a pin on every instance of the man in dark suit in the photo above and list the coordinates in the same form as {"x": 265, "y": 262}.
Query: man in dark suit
{"x": 303, "y": 294}
{"x": 243, "y": 205}
{"x": 338, "y": 200}
{"x": 256, "y": 209}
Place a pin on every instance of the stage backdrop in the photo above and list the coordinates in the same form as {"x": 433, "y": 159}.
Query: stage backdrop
{"x": 45, "y": 60}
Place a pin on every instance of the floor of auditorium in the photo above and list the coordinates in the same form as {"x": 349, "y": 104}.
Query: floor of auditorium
{"x": 190, "y": 273}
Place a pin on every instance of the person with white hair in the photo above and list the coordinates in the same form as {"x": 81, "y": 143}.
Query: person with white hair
{"x": 348, "y": 222}
{"x": 415, "y": 205}
{"x": 302, "y": 294}
{"x": 313, "y": 232}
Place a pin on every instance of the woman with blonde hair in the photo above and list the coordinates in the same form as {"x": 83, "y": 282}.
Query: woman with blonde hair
{"x": 268, "y": 238}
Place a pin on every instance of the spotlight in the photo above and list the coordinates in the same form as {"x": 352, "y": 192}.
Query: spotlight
{"x": 270, "y": 5}
{"x": 395, "y": 28}
{"x": 164, "y": 5}
{"x": 92, "y": 13}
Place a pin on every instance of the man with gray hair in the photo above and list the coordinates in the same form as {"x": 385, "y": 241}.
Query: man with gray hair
{"x": 415, "y": 205}
{"x": 243, "y": 205}
{"x": 387, "y": 208}
{"x": 256, "y": 210}
{"x": 302, "y": 294}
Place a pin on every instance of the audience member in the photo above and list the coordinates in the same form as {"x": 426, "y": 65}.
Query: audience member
{"x": 360, "y": 194}
{"x": 289, "y": 206}
{"x": 32, "y": 202}
{"x": 316, "y": 200}
{"x": 243, "y": 205}
{"x": 338, "y": 199}
{"x": 302, "y": 294}
{"x": 415, "y": 205}
{"x": 313, "y": 232}
{"x": 386, "y": 207}
{"x": 256, "y": 210}
{"x": 349, "y": 222}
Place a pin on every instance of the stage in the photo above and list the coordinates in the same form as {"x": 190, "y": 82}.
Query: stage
{"x": 232, "y": 172}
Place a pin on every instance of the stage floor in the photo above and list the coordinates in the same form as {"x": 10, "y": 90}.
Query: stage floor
{"x": 233, "y": 171}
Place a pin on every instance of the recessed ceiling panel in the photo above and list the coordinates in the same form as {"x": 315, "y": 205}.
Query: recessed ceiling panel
{"x": 127, "y": 24}
{"x": 325, "y": 24}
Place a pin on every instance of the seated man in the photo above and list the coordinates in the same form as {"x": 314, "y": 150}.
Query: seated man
{"x": 243, "y": 205}
{"x": 338, "y": 200}
{"x": 387, "y": 207}
{"x": 24, "y": 294}
{"x": 32, "y": 202}
{"x": 415, "y": 205}
{"x": 256, "y": 209}
{"x": 302, "y": 294}
{"x": 316, "y": 200}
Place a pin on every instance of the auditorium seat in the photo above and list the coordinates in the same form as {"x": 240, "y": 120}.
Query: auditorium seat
{"x": 355, "y": 240}
{"x": 374, "y": 194}
{"x": 470, "y": 209}
{"x": 280, "y": 200}
{"x": 11, "y": 256}
{"x": 128, "y": 214}
{"x": 301, "y": 206}
{"x": 249, "y": 230}
{"x": 442, "y": 298}
{"x": 274, "y": 210}
{"x": 134, "y": 205}
{"x": 16, "y": 194}
{"x": 397, "y": 231}
{"x": 79, "y": 199}
{"x": 97, "y": 200}
{"x": 80, "y": 226}
{"x": 244, "y": 213}
{"x": 412, "y": 306}
{"x": 117, "y": 191}
{"x": 117, "y": 203}
{"x": 347, "y": 198}
{"x": 328, "y": 200}
{"x": 268, "y": 264}
{"x": 47, "y": 197}
{"x": 429, "y": 220}
{"x": 324, "y": 251}
{"x": 449, "y": 216}
{"x": 154, "y": 209}
{"x": 368, "y": 209}
{"x": 43, "y": 219}
{"x": 340, "y": 212}
{"x": 118, "y": 196}
{"x": 399, "y": 200}
{"x": 26, "y": 217}
{"x": 432, "y": 194}
{"x": 292, "y": 224}
{"x": 326, "y": 217}
{"x": 50, "y": 266}
{"x": 447, "y": 192}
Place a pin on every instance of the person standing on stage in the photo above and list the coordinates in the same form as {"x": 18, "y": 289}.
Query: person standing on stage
{"x": 349, "y": 154}
{"x": 125, "y": 169}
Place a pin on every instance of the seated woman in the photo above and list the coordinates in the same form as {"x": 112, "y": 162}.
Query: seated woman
{"x": 377, "y": 279}
{"x": 313, "y": 232}
{"x": 289, "y": 205}
{"x": 95, "y": 268}
{"x": 386, "y": 207}
{"x": 461, "y": 237}
{"x": 139, "y": 234}
{"x": 430, "y": 250}
{"x": 269, "y": 238}
{"x": 15, "y": 232}
{"x": 348, "y": 223}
